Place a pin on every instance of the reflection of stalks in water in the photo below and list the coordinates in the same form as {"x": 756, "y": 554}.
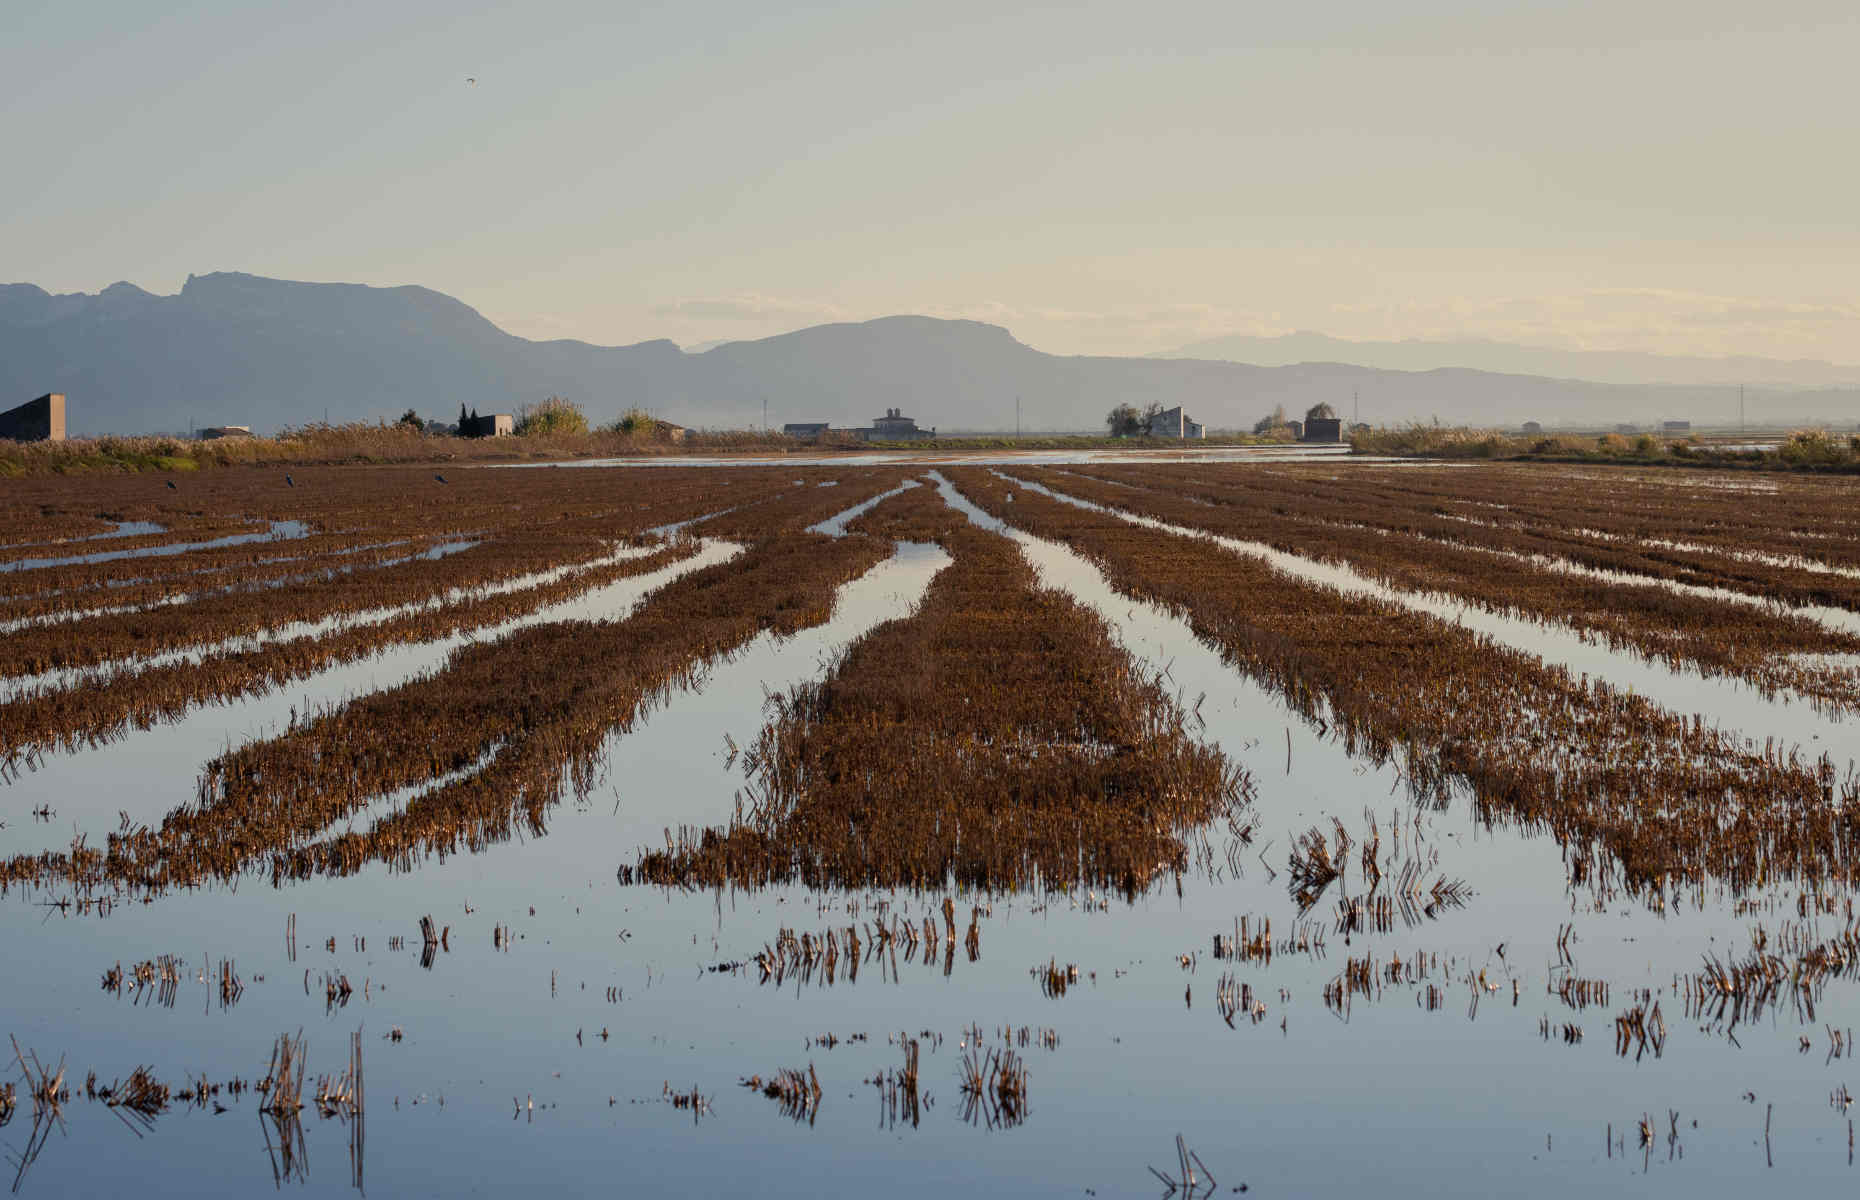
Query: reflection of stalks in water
{"x": 342, "y": 1096}
{"x": 1311, "y": 868}
{"x": 42, "y": 1122}
{"x": 994, "y": 1087}
{"x": 346, "y": 1097}
{"x": 798, "y": 1093}
{"x": 290, "y": 1157}
{"x": 897, "y": 1090}
{"x": 694, "y": 1101}
{"x": 1188, "y": 1184}
{"x": 137, "y": 1102}
{"x": 284, "y": 1083}
{"x": 46, "y": 1088}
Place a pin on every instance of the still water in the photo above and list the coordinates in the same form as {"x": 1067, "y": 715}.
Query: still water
{"x": 540, "y": 1061}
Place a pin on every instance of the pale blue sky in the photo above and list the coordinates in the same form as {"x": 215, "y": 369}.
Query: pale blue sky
{"x": 1669, "y": 175}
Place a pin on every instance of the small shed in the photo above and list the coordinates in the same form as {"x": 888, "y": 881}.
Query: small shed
{"x": 1322, "y": 424}
{"x": 212, "y": 433}
{"x": 40, "y": 420}
{"x": 489, "y": 425}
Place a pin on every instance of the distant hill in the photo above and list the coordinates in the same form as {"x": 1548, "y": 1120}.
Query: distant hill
{"x": 1602, "y": 366}
{"x": 241, "y": 349}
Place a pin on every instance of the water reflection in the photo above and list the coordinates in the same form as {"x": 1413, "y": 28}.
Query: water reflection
{"x": 277, "y": 531}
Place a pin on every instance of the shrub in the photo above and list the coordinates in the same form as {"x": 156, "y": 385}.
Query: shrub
{"x": 551, "y": 416}
{"x": 1813, "y": 448}
{"x": 634, "y": 422}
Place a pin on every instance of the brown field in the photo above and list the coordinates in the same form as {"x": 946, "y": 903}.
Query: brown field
{"x": 998, "y": 737}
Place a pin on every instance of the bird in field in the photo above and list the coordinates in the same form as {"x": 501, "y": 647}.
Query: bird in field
{"x": 289, "y": 481}
{"x": 440, "y": 478}
{"x": 171, "y": 486}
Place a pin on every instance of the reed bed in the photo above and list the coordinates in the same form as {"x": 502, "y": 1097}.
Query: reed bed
{"x": 1522, "y": 573}
{"x": 106, "y": 706}
{"x": 998, "y": 738}
{"x": 811, "y": 497}
{"x": 545, "y": 698}
{"x": 1669, "y": 798}
{"x": 224, "y": 616}
{"x": 346, "y": 507}
{"x": 1795, "y": 542}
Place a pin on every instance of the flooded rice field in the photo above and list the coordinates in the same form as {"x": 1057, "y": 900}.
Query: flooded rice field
{"x": 1076, "y": 826}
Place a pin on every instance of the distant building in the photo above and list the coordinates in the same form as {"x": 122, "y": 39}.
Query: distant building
{"x": 894, "y": 426}
{"x": 1298, "y": 430}
{"x": 806, "y": 430}
{"x": 1533, "y": 427}
{"x": 209, "y": 433}
{"x": 1174, "y": 423}
{"x": 669, "y": 431}
{"x": 490, "y": 425}
{"x": 1625, "y": 429}
{"x": 1322, "y": 424}
{"x": 41, "y": 420}
{"x": 1676, "y": 428}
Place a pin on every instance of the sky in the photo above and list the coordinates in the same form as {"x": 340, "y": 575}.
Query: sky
{"x": 1674, "y": 176}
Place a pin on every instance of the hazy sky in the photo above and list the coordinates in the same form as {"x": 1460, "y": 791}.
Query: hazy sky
{"x": 1671, "y": 175}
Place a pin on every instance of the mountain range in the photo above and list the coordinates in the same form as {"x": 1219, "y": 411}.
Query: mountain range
{"x": 1601, "y": 366}
{"x": 233, "y": 348}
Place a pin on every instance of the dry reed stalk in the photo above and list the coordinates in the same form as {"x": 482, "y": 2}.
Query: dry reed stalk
{"x": 1595, "y": 766}
{"x": 995, "y": 738}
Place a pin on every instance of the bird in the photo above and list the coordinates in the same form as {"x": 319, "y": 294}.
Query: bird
{"x": 289, "y": 481}
{"x": 440, "y": 478}
{"x": 171, "y": 486}
{"x": 471, "y": 81}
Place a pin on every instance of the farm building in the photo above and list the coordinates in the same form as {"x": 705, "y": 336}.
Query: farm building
{"x": 1322, "y": 425}
{"x": 210, "y": 433}
{"x": 894, "y": 426}
{"x": 804, "y": 429}
{"x": 1676, "y": 428}
{"x": 41, "y": 420}
{"x": 490, "y": 425}
{"x": 1174, "y": 423}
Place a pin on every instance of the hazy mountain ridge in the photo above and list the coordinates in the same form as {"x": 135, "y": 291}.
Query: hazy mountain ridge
{"x": 1601, "y": 366}
{"x": 236, "y": 348}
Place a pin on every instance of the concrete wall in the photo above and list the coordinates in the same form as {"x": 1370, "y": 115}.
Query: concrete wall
{"x": 41, "y": 420}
